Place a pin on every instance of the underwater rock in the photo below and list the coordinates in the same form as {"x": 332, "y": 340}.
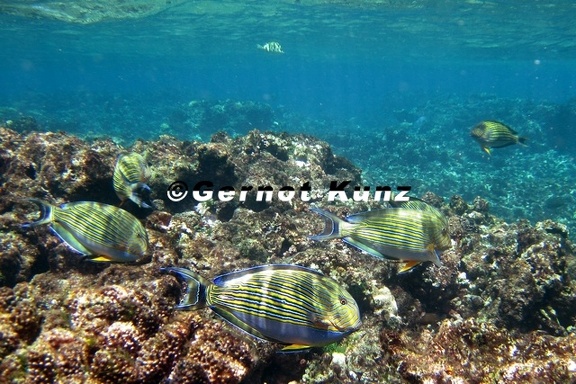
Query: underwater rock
{"x": 502, "y": 307}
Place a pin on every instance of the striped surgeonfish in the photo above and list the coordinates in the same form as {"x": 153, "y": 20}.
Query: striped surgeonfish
{"x": 412, "y": 232}
{"x": 130, "y": 177}
{"x": 286, "y": 304}
{"x": 101, "y": 232}
{"x": 493, "y": 134}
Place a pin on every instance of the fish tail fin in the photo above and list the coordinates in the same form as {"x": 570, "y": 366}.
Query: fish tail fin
{"x": 195, "y": 292}
{"x": 333, "y": 225}
{"x": 522, "y": 140}
{"x": 46, "y": 213}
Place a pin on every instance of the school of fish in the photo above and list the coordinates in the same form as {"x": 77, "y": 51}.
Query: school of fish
{"x": 291, "y": 305}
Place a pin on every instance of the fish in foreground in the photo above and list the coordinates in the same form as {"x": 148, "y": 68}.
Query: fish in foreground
{"x": 411, "y": 232}
{"x": 287, "y": 304}
{"x": 271, "y": 46}
{"x": 493, "y": 134}
{"x": 101, "y": 232}
{"x": 130, "y": 177}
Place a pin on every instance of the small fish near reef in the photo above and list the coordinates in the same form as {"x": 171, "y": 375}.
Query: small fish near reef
{"x": 411, "y": 232}
{"x": 494, "y": 134}
{"x": 272, "y": 46}
{"x": 287, "y": 304}
{"x": 100, "y": 232}
{"x": 131, "y": 174}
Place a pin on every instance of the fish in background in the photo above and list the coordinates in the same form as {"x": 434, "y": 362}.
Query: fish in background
{"x": 100, "y": 232}
{"x": 411, "y": 232}
{"x": 131, "y": 174}
{"x": 272, "y": 46}
{"x": 287, "y": 304}
{"x": 494, "y": 134}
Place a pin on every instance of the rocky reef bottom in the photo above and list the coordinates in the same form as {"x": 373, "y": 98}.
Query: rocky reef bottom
{"x": 501, "y": 308}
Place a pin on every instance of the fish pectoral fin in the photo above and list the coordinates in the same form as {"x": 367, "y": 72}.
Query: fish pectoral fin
{"x": 68, "y": 237}
{"x": 296, "y": 348}
{"x": 320, "y": 321}
{"x": 408, "y": 265}
{"x": 364, "y": 247}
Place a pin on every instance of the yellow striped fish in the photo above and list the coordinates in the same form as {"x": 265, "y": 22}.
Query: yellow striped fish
{"x": 101, "y": 232}
{"x": 286, "y": 304}
{"x": 412, "y": 232}
{"x": 493, "y": 134}
{"x": 130, "y": 177}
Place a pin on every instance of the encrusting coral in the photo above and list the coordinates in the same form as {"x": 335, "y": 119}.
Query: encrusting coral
{"x": 501, "y": 308}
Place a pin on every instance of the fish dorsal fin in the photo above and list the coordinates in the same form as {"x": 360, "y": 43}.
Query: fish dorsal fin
{"x": 225, "y": 279}
{"x": 414, "y": 203}
{"x": 507, "y": 127}
{"x": 367, "y": 215}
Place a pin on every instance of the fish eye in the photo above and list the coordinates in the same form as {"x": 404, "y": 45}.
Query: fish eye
{"x": 343, "y": 301}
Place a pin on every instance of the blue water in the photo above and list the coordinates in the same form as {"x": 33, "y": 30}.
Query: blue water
{"x": 350, "y": 68}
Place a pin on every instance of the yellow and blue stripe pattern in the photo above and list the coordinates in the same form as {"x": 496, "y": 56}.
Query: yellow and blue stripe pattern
{"x": 494, "y": 134}
{"x": 99, "y": 231}
{"x": 413, "y": 232}
{"x": 131, "y": 174}
{"x": 288, "y": 304}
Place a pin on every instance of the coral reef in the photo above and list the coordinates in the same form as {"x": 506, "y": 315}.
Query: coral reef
{"x": 501, "y": 308}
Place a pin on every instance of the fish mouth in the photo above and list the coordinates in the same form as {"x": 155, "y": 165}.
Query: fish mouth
{"x": 356, "y": 326}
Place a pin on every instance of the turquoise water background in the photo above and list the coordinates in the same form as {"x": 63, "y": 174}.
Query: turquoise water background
{"x": 394, "y": 86}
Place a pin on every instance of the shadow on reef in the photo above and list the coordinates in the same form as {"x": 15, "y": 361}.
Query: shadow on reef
{"x": 501, "y": 308}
